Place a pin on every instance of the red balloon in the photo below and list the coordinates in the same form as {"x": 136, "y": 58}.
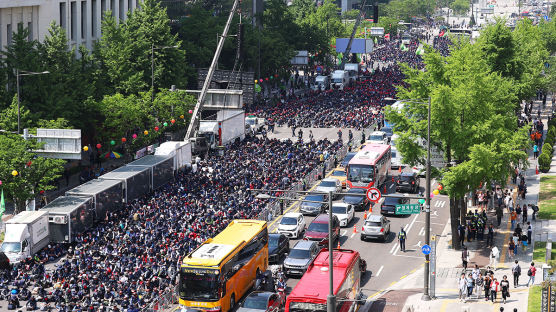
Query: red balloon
{"x": 124, "y": 139}
{"x": 276, "y": 76}
{"x": 266, "y": 79}
{"x": 98, "y": 145}
{"x": 173, "y": 121}
{"x": 440, "y": 187}
{"x": 155, "y": 128}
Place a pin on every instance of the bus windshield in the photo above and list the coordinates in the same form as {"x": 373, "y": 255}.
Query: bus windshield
{"x": 361, "y": 173}
{"x": 307, "y": 307}
{"x": 199, "y": 284}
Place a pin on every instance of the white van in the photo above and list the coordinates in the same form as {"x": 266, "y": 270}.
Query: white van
{"x": 340, "y": 79}
{"x": 321, "y": 83}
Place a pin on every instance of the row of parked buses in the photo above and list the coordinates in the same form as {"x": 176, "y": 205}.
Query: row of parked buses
{"x": 222, "y": 270}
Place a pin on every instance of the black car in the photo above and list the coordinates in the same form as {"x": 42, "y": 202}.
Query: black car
{"x": 278, "y": 246}
{"x": 4, "y": 262}
{"x": 312, "y": 208}
{"x": 358, "y": 202}
{"x": 388, "y": 206}
{"x": 407, "y": 182}
{"x": 347, "y": 158}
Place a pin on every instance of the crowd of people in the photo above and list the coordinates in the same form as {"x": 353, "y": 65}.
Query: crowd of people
{"x": 442, "y": 45}
{"x": 132, "y": 258}
{"x": 391, "y": 52}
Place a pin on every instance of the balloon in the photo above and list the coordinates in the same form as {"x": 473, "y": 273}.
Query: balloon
{"x": 98, "y": 145}
{"x": 261, "y": 80}
{"x": 276, "y": 75}
{"x": 271, "y": 77}
{"x": 182, "y": 116}
{"x": 432, "y": 195}
{"x": 146, "y": 132}
{"x": 123, "y": 140}
{"x": 42, "y": 192}
{"x": 173, "y": 121}
{"x": 112, "y": 142}
{"x": 85, "y": 148}
{"x": 14, "y": 173}
{"x": 191, "y": 111}
{"x": 156, "y": 128}
{"x": 165, "y": 124}
{"x": 134, "y": 136}
{"x": 256, "y": 81}
{"x": 0, "y": 182}
{"x": 421, "y": 201}
{"x": 266, "y": 79}
{"x": 435, "y": 192}
{"x": 440, "y": 187}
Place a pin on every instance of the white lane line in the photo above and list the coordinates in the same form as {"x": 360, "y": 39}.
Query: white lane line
{"x": 397, "y": 248}
{"x": 418, "y": 244}
{"x": 394, "y": 247}
{"x": 411, "y": 224}
{"x": 442, "y": 203}
{"x": 409, "y": 256}
{"x": 379, "y": 270}
{"x": 352, "y": 235}
{"x": 343, "y": 233}
{"x": 391, "y": 186}
{"x": 422, "y": 231}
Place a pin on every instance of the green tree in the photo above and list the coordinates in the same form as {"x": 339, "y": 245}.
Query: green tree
{"x": 460, "y": 7}
{"x": 34, "y": 173}
{"x": 8, "y": 117}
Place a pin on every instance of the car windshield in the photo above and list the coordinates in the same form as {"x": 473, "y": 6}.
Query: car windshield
{"x": 406, "y": 178}
{"x": 315, "y": 197}
{"x": 199, "y": 284}
{"x": 337, "y": 80}
{"x": 299, "y": 254}
{"x": 348, "y": 157}
{"x": 273, "y": 241}
{"x": 372, "y": 223}
{"x": 288, "y": 221}
{"x": 357, "y": 191}
{"x": 376, "y": 137}
{"x": 339, "y": 173}
{"x": 318, "y": 227}
{"x": 339, "y": 209}
{"x": 361, "y": 173}
{"x": 393, "y": 154}
{"x": 392, "y": 201}
{"x": 388, "y": 131}
{"x": 11, "y": 247}
{"x": 255, "y": 302}
{"x": 250, "y": 121}
{"x": 328, "y": 184}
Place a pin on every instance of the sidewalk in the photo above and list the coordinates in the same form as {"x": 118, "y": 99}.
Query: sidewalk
{"x": 406, "y": 294}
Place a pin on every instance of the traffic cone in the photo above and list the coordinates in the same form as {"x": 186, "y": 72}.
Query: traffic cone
{"x": 392, "y": 179}
{"x": 338, "y": 245}
{"x": 364, "y": 217}
{"x": 536, "y": 170}
{"x": 400, "y": 169}
{"x": 384, "y": 190}
{"x": 354, "y": 229}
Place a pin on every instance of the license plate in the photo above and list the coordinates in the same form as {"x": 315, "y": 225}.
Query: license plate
{"x": 295, "y": 272}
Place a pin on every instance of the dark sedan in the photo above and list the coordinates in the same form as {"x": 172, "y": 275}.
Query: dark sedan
{"x": 407, "y": 182}
{"x": 388, "y": 206}
{"x": 358, "y": 202}
{"x": 313, "y": 208}
{"x": 278, "y": 246}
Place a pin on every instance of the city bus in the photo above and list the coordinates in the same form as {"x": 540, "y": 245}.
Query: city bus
{"x": 309, "y": 295}
{"x": 370, "y": 166}
{"x": 220, "y": 271}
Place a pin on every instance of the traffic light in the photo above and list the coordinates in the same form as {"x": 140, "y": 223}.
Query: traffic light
{"x": 375, "y": 14}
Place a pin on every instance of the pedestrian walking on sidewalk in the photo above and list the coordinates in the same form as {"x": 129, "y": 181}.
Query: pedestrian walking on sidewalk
{"x": 494, "y": 288}
{"x": 505, "y": 287}
{"x": 511, "y": 247}
{"x": 462, "y": 286}
{"x": 513, "y": 218}
{"x": 401, "y": 239}
{"x": 490, "y": 236}
{"x": 494, "y": 253}
{"x": 499, "y": 214}
{"x": 470, "y": 285}
{"x": 535, "y": 151}
{"x": 516, "y": 271}
{"x": 486, "y": 284}
{"x": 529, "y": 233}
{"x": 479, "y": 285}
{"x": 464, "y": 257}
{"x": 525, "y": 213}
{"x": 461, "y": 232}
{"x": 531, "y": 273}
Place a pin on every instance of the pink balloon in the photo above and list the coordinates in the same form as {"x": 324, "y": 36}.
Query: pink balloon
{"x": 0, "y": 182}
{"x": 432, "y": 195}
{"x": 191, "y": 111}
{"x": 134, "y": 136}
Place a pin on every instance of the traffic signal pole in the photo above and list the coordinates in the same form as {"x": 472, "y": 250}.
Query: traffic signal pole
{"x": 426, "y": 296}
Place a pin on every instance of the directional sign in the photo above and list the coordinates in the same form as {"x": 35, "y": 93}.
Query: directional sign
{"x": 373, "y": 194}
{"x": 408, "y": 209}
{"x": 426, "y": 249}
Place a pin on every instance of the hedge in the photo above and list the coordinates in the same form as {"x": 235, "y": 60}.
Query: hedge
{"x": 545, "y": 158}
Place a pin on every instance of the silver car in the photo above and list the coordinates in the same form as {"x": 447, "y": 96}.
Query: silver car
{"x": 329, "y": 185}
{"x": 301, "y": 255}
{"x": 376, "y": 226}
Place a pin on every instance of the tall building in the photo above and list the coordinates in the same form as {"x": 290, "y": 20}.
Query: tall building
{"x": 80, "y": 18}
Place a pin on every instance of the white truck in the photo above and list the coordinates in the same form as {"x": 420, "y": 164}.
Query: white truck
{"x": 321, "y": 83}
{"x": 181, "y": 150}
{"x": 254, "y": 124}
{"x": 228, "y": 126}
{"x": 26, "y": 234}
{"x": 340, "y": 79}
{"x": 353, "y": 70}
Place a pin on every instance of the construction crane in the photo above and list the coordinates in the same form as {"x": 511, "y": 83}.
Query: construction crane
{"x": 357, "y": 21}
{"x": 199, "y": 105}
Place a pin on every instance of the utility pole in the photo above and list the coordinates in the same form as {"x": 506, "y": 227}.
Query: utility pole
{"x": 331, "y": 298}
{"x": 18, "y": 113}
{"x": 426, "y": 296}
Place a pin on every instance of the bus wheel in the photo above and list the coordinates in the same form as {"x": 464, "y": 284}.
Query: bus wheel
{"x": 232, "y": 301}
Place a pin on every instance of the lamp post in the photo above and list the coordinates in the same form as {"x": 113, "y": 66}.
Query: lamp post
{"x": 153, "y": 47}
{"x": 19, "y": 73}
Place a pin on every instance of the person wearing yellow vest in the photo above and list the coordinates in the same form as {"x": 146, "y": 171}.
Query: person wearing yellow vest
{"x": 401, "y": 238}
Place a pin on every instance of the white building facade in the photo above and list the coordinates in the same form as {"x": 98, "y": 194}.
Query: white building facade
{"x": 80, "y": 18}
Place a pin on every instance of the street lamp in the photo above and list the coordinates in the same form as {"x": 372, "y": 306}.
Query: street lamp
{"x": 153, "y": 47}
{"x": 426, "y": 295}
{"x": 19, "y": 73}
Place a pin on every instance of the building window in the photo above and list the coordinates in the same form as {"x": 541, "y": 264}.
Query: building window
{"x": 63, "y": 15}
{"x": 113, "y": 7}
{"x": 73, "y": 20}
{"x": 122, "y": 10}
{"x": 30, "y": 29}
{"x": 9, "y": 33}
{"x": 83, "y": 19}
{"x": 130, "y": 5}
{"x": 102, "y": 8}
{"x": 93, "y": 18}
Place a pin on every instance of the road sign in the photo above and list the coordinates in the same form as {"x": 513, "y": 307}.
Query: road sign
{"x": 408, "y": 209}
{"x": 373, "y": 194}
{"x": 426, "y": 249}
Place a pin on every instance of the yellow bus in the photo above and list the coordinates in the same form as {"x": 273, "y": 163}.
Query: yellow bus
{"x": 218, "y": 273}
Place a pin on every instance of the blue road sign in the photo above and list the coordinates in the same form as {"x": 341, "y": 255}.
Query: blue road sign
{"x": 426, "y": 249}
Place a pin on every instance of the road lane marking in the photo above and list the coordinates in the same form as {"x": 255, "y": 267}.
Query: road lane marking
{"x": 343, "y": 232}
{"x": 401, "y": 278}
{"x": 422, "y": 231}
{"x": 392, "y": 284}
{"x": 394, "y": 247}
{"x": 411, "y": 224}
{"x": 397, "y": 248}
{"x": 379, "y": 270}
{"x": 418, "y": 244}
{"x": 353, "y": 234}
{"x": 409, "y": 256}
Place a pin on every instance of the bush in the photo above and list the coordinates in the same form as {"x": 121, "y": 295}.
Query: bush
{"x": 544, "y": 161}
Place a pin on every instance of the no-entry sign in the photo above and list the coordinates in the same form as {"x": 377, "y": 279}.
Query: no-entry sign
{"x": 373, "y": 194}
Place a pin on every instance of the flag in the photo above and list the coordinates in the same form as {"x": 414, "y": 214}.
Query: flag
{"x": 403, "y": 47}
{"x": 387, "y": 37}
{"x": 376, "y": 41}
{"x": 420, "y": 51}
{"x": 2, "y": 205}
{"x": 441, "y": 33}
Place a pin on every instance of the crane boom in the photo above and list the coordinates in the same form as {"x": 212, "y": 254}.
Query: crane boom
{"x": 206, "y": 84}
{"x": 357, "y": 21}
